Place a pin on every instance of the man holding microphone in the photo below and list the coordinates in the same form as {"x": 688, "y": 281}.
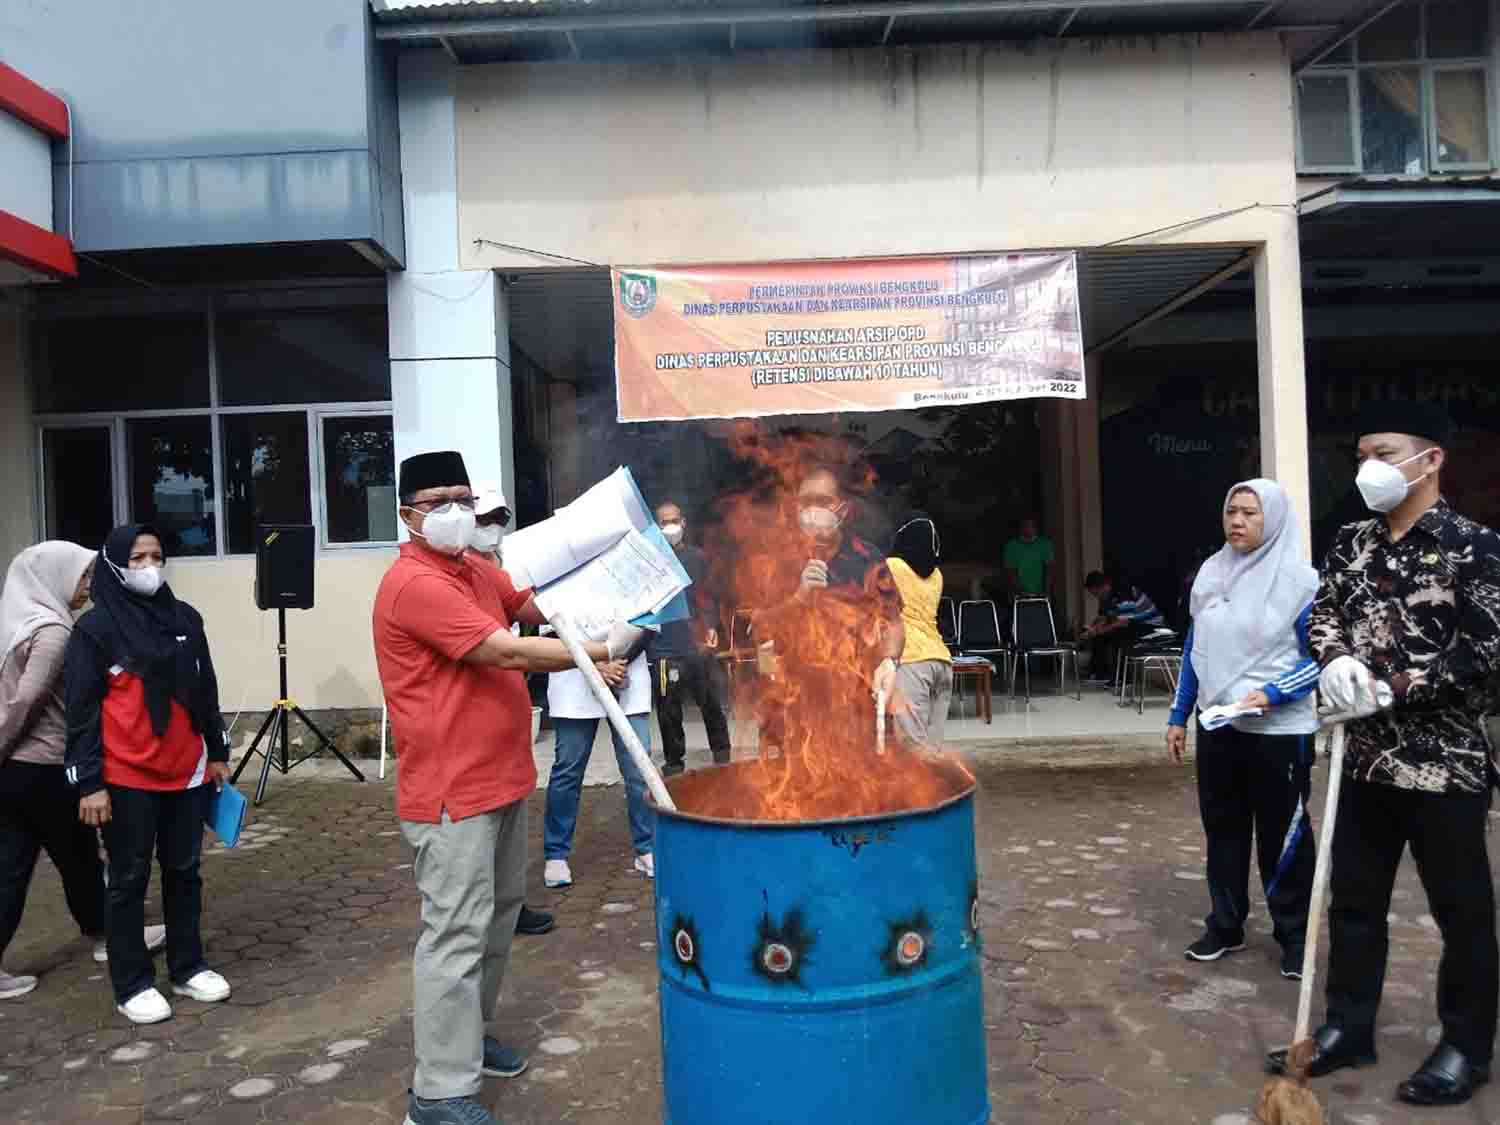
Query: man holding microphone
{"x": 453, "y": 677}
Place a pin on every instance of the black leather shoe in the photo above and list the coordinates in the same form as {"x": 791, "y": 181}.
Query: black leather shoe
{"x": 1333, "y": 1049}
{"x": 672, "y": 769}
{"x": 1446, "y": 1078}
{"x": 534, "y": 922}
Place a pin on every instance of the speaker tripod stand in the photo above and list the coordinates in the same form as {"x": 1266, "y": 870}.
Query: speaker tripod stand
{"x": 277, "y": 725}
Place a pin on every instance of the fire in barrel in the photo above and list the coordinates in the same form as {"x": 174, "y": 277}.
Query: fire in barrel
{"x": 817, "y": 908}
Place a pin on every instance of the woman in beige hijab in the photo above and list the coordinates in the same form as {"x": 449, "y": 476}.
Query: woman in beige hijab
{"x": 44, "y": 587}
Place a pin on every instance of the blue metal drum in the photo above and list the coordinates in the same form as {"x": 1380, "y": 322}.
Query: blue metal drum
{"x": 820, "y": 972}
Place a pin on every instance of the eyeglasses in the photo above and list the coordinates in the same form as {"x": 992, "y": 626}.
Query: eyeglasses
{"x": 442, "y": 507}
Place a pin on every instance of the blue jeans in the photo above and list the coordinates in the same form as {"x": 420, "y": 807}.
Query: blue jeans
{"x": 575, "y": 742}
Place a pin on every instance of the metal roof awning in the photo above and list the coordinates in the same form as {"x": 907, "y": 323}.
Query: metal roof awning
{"x": 1433, "y": 217}
{"x": 513, "y": 30}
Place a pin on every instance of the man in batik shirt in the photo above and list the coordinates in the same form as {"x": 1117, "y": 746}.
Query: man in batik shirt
{"x": 1407, "y": 625}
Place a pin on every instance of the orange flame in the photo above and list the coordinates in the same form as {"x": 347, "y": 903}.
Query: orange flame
{"x": 818, "y": 756}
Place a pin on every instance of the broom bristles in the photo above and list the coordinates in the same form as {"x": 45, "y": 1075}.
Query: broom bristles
{"x": 1286, "y": 1102}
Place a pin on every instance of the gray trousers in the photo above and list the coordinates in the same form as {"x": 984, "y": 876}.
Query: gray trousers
{"x": 927, "y": 687}
{"x": 472, "y": 875}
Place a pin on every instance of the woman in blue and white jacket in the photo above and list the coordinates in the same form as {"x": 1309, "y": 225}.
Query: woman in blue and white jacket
{"x": 1247, "y": 650}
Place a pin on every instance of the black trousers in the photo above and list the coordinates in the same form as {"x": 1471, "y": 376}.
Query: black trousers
{"x": 1447, "y": 838}
{"x": 39, "y": 809}
{"x": 1257, "y": 784}
{"x": 170, "y": 825}
{"x": 695, "y": 678}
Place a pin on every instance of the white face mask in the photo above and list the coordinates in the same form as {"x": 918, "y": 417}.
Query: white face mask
{"x": 486, "y": 538}
{"x": 819, "y": 521}
{"x": 1383, "y": 485}
{"x": 145, "y": 582}
{"x": 673, "y": 532}
{"x": 448, "y": 530}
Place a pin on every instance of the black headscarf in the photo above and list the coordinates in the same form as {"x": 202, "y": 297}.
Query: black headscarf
{"x": 157, "y": 639}
{"x": 916, "y": 544}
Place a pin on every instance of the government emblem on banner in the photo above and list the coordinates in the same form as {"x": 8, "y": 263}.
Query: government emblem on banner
{"x": 637, "y": 293}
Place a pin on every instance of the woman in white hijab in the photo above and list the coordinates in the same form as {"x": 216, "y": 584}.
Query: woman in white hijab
{"x": 38, "y": 809}
{"x": 1248, "y": 671}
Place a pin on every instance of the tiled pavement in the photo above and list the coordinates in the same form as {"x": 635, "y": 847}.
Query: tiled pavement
{"x": 1091, "y": 883}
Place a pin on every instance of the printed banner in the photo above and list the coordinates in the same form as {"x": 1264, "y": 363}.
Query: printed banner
{"x": 821, "y": 337}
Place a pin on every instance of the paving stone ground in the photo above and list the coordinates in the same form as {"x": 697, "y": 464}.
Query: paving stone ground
{"x": 1091, "y": 884}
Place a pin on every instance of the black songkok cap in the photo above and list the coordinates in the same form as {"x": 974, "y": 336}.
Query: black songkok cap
{"x": 443, "y": 469}
{"x": 1418, "y": 419}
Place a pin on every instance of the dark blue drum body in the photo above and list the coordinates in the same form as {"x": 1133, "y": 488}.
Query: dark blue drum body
{"x": 821, "y": 972}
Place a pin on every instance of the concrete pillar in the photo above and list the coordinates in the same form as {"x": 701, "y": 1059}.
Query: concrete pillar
{"x": 18, "y": 516}
{"x": 449, "y": 328}
{"x": 1090, "y": 493}
{"x": 1283, "y": 378}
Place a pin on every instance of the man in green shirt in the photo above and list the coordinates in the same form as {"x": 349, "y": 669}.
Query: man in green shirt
{"x": 1028, "y": 562}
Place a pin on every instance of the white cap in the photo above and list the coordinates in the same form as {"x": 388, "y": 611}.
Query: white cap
{"x": 488, "y": 498}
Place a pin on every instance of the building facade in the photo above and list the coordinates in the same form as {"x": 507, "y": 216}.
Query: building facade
{"x": 317, "y": 237}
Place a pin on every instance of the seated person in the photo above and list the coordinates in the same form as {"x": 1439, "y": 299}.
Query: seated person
{"x": 1126, "y": 613}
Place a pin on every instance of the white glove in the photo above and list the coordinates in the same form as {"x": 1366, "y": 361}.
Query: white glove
{"x": 622, "y": 635}
{"x": 1374, "y": 695}
{"x": 1341, "y": 683}
{"x": 1349, "y": 688}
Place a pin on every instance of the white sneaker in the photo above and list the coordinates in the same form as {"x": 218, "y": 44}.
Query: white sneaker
{"x": 645, "y": 863}
{"x": 11, "y": 987}
{"x": 208, "y": 987}
{"x": 156, "y": 937}
{"x": 557, "y": 873}
{"x": 146, "y": 1007}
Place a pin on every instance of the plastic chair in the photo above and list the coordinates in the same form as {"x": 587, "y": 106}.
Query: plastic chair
{"x": 385, "y": 718}
{"x": 947, "y": 621}
{"x": 1035, "y": 634}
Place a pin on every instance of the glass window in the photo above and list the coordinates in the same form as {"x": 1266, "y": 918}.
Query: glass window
{"x": 1457, "y": 29}
{"x": 266, "y": 476}
{"x": 1394, "y": 37}
{"x": 359, "y": 479}
{"x": 1390, "y": 119}
{"x": 171, "y": 467}
{"x": 79, "y": 475}
{"x": 1324, "y": 120}
{"x": 86, "y": 365}
{"x": 333, "y": 355}
{"x": 1463, "y": 125}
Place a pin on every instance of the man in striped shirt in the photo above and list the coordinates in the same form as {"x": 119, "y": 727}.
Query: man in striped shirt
{"x": 1126, "y": 613}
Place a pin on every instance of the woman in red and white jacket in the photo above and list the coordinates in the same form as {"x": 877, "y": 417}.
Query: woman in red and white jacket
{"x": 146, "y": 749}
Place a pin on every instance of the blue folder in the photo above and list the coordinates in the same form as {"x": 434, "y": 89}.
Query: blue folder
{"x": 226, "y": 814}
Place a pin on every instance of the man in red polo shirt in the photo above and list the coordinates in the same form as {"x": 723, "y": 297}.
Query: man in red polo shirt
{"x": 453, "y": 677}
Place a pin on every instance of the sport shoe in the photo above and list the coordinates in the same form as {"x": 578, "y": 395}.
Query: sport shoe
{"x": 1210, "y": 947}
{"x": 11, "y": 987}
{"x": 645, "y": 863}
{"x": 534, "y": 922}
{"x": 149, "y": 1006}
{"x": 502, "y": 1062}
{"x": 557, "y": 873}
{"x": 447, "y": 1111}
{"x": 1291, "y": 964}
{"x": 208, "y": 987}
{"x": 156, "y": 937}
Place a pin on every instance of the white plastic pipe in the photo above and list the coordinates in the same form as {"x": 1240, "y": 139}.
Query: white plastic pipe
{"x": 613, "y": 711}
